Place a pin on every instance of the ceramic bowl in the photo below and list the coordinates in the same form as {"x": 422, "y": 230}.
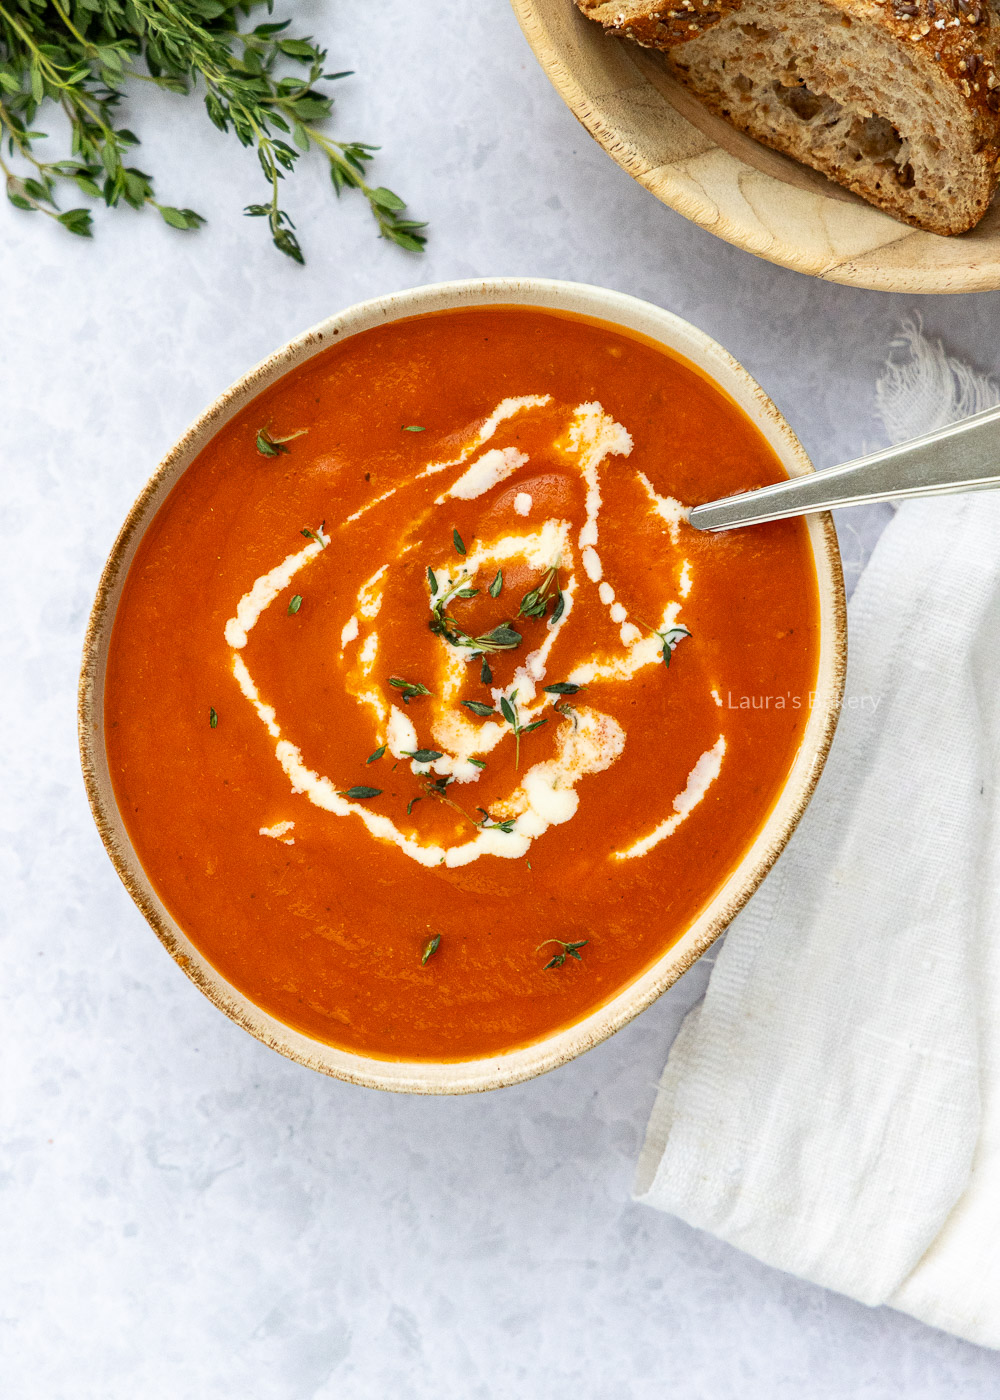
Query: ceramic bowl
{"x": 730, "y": 184}
{"x": 563, "y": 1045}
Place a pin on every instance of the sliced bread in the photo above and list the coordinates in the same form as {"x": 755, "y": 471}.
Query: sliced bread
{"x": 897, "y": 100}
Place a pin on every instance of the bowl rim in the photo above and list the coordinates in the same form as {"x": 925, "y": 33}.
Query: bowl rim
{"x": 495, "y": 1071}
{"x": 724, "y": 188}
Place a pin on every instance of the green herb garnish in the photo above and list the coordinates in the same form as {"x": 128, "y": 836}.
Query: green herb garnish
{"x": 413, "y": 428}
{"x": 670, "y": 639}
{"x": 569, "y": 950}
{"x": 295, "y": 604}
{"x": 502, "y": 638}
{"x": 497, "y": 584}
{"x": 270, "y": 446}
{"x": 478, "y": 762}
{"x": 422, "y": 755}
{"x": 431, "y": 948}
{"x": 533, "y": 604}
{"x": 409, "y": 688}
{"x": 213, "y": 719}
{"x": 485, "y": 674}
{"x": 458, "y": 542}
{"x": 317, "y": 536}
{"x": 361, "y": 794}
{"x": 379, "y": 752}
{"x": 477, "y": 707}
{"x": 508, "y": 708}
{"x": 86, "y": 58}
{"x": 488, "y": 824}
{"x": 432, "y": 582}
{"x": 563, "y": 688}
{"x": 410, "y": 804}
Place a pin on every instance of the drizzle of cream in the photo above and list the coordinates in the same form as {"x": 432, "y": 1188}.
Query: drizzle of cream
{"x": 667, "y": 507}
{"x": 487, "y": 471}
{"x": 264, "y": 592}
{"x": 546, "y": 795}
{"x": 246, "y": 684}
{"x": 370, "y": 594}
{"x": 700, "y": 779}
{"x": 279, "y": 832}
{"x": 591, "y": 561}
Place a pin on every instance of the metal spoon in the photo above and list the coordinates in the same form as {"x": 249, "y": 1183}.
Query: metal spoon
{"x": 964, "y": 456}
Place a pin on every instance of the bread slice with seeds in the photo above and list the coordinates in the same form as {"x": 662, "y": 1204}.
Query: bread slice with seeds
{"x": 898, "y": 100}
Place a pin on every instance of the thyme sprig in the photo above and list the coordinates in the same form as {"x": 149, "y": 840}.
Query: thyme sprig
{"x": 535, "y": 602}
{"x": 84, "y": 55}
{"x": 442, "y": 624}
{"x": 488, "y": 824}
{"x": 569, "y": 950}
{"x": 409, "y": 689}
{"x": 431, "y": 948}
{"x": 270, "y": 446}
{"x": 508, "y": 708}
{"x": 668, "y": 638}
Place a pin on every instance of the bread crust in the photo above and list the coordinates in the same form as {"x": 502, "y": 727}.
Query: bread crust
{"x": 952, "y": 42}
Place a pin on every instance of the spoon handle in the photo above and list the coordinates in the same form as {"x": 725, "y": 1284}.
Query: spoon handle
{"x": 964, "y": 456}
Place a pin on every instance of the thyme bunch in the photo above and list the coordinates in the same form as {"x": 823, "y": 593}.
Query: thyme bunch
{"x": 259, "y": 83}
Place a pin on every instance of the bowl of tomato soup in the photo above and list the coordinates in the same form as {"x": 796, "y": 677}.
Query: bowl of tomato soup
{"x": 428, "y": 736}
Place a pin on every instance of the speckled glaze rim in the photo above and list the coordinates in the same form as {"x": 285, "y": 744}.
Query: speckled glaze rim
{"x": 469, "y": 1076}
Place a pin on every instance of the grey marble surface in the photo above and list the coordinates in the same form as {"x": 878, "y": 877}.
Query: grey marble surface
{"x": 185, "y": 1214}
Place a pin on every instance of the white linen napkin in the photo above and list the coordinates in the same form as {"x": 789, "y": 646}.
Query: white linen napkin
{"x": 832, "y": 1106}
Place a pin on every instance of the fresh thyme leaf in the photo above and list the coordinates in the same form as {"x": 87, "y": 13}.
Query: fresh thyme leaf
{"x": 270, "y": 446}
{"x": 559, "y": 608}
{"x": 488, "y": 824}
{"x": 569, "y": 950}
{"x": 497, "y": 584}
{"x": 477, "y": 707}
{"x": 432, "y": 582}
{"x": 563, "y": 688}
{"x": 213, "y": 719}
{"x": 423, "y": 755}
{"x": 410, "y": 804}
{"x": 478, "y": 762}
{"x": 379, "y": 752}
{"x": 317, "y": 536}
{"x": 458, "y": 542}
{"x": 413, "y": 428}
{"x": 508, "y": 708}
{"x": 360, "y": 794}
{"x": 485, "y": 674}
{"x": 409, "y": 688}
{"x": 431, "y": 948}
{"x": 295, "y": 604}
{"x": 502, "y": 638}
{"x": 259, "y": 83}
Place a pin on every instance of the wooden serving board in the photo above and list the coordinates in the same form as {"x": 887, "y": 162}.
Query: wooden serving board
{"x": 731, "y": 185}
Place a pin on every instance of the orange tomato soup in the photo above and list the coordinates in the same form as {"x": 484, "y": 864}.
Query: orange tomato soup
{"x": 388, "y": 713}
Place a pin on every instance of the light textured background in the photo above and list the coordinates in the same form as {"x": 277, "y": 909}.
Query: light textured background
{"x": 185, "y": 1213}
